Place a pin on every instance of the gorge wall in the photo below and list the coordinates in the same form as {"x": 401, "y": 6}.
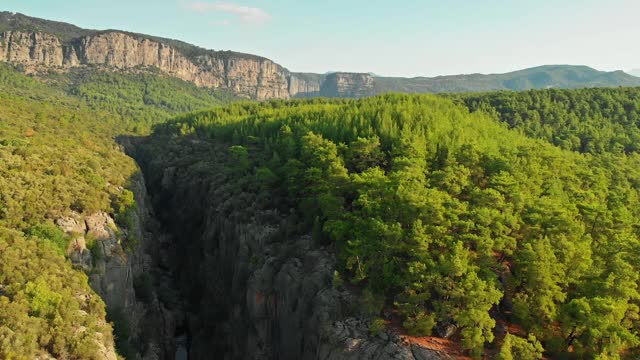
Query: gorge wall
{"x": 147, "y": 317}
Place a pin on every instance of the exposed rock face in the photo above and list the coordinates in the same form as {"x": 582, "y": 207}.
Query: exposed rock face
{"x": 347, "y": 85}
{"x": 72, "y": 225}
{"x": 246, "y": 75}
{"x": 107, "y": 352}
{"x": 252, "y": 291}
{"x": 304, "y": 87}
{"x": 112, "y": 271}
{"x": 33, "y": 43}
{"x": 108, "y": 273}
{"x": 31, "y": 48}
{"x": 350, "y": 340}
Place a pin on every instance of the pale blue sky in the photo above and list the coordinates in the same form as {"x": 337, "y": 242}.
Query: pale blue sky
{"x": 399, "y": 38}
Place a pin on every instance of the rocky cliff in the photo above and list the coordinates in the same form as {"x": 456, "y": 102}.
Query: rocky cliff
{"x": 347, "y": 85}
{"x": 247, "y": 76}
{"x": 115, "y": 271}
{"x": 39, "y": 45}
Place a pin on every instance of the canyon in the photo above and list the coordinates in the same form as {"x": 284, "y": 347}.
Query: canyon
{"x": 240, "y": 286}
{"x": 228, "y": 249}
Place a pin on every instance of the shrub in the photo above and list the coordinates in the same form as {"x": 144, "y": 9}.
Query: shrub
{"x": 338, "y": 283}
{"x": 420, "y": 325}
{"x": 376, "y": 326}
{"x": 517, "y": 348}
{"x": 51, "y": 235}
{"x": 372, "y": 303}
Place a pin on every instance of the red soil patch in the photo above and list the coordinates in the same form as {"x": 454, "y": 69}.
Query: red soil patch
{"x": 513, "y": 329}
{"x": 441, "y": 345}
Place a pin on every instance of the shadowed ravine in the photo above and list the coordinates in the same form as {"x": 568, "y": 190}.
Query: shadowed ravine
{"x": 250, "y": 286}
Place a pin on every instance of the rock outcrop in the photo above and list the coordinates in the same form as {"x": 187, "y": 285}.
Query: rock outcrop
{"x": 305, "y": 85}
{"x": 32, "y": 48}
{"x": 109, "y": 267}
{"x": 350, "y": 339}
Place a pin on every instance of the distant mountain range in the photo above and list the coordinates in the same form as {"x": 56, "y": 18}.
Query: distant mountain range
{"x": 542, "y": 77}
{"x": 41, "y": 45}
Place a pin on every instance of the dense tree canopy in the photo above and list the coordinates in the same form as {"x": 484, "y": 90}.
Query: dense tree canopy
{"x": 587, "y": 120}
{"x": 449, "y": 216}
{"x": 45, "y": 307}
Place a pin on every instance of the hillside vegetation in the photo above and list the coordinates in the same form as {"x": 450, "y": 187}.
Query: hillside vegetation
{"x": 445, "y": 216}
{"x": 58, "y": 154}
{"x": 55, "y": 158}
{"x": 59, "y": 149}
{"x": 584, "y": 120}
{"x": 46, "y": 308}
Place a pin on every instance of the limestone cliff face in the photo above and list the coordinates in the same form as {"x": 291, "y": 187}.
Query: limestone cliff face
{"x": 347, "y": 85}
{"x": 304, "y": 86}
{"x": 31, "y": 48}
{"x": 246, "y": 75}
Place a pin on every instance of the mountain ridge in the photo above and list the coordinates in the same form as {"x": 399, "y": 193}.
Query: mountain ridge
{"x": 42, "y": 45}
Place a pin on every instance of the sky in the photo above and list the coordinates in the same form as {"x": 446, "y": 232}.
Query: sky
{"x": 391, "y": 38}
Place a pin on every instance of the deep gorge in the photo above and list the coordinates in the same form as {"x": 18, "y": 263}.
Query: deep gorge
{"x": 250, "y": 285}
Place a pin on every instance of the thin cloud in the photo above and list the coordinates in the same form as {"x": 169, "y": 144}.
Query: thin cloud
{"x": 219, "y": 22}
{"x": 245, "y": 14}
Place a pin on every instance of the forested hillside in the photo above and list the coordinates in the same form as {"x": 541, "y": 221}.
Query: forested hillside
{"x": 444, "y": 216}
{"x": 585, "y": 120}
{"x": 54, "y": 158}
{"x": 57, "y": 137}
{"x": 57, "y": 156}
